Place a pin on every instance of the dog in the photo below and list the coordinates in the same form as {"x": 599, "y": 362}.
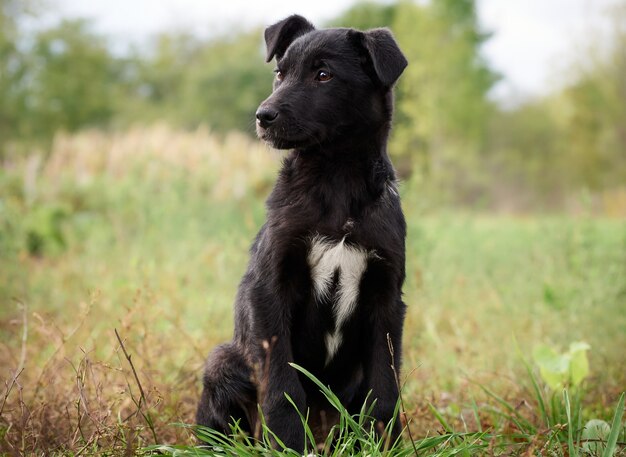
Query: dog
{"x": 323, "y": 288}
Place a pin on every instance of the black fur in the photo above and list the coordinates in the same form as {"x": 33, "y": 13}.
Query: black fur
{"x": 332, "y": 105}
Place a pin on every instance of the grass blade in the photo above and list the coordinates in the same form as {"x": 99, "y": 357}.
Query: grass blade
{"x": 440, "y": 418}
{"x": 305, "y": 424}
{"x": 616, "y": 424}
{"x": 334, "y": 401}
{"x": 538, "y": 395}
{"x": 476, "y": 415}
{"x": 573, "y": 452}
{"x": 522, "y": 423}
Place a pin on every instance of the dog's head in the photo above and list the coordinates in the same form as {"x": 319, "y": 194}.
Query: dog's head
{"x": 328, "y": 82}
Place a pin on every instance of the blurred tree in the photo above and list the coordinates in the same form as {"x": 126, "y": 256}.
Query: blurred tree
{"x": 595, "y": 113}
{"x": 226, "y": 82}
{"x": 153, "y": 79}
{"x": 366, "y": 15}
{"x": 218, "y": 82}
{"x": 441, "y": 98}
{"x": 547, "y": 150}
{"x": 446, "y": 133}
{"x": 71, "y": 80}
{"x": 12, "y": 69}
{"x": 524, "y": 157}
{"x": 442, "y": 104}
{"x": 162, "y": 74}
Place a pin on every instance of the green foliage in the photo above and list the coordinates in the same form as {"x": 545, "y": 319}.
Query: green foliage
{"x": 595, "y": 433}
{"x": 226, "y": 82}
{"x": 617, "y": 428}
{"x": 156, "y": 228}
{"x": 71, "y": 75}
{"x": 44, "y": 230}
{"x": 354, "y": 435}
{"x": 571, "y": 139}
{"x": 457, "y": 144}
{"x": 568, "y": 369}
{"x": 437, "y": 111}
{"x": 562, "y": 417}
{"x": 188, "y": 82}
{"x": 595, "y": 113}
{"x": 367, "y": 15}
{"x": 12, "y": 68}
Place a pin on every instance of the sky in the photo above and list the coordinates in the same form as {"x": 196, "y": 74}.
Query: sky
{"x": 532, "y": 47}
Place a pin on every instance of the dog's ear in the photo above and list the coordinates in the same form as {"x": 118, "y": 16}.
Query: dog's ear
{"x": 381, "y": 48}
{"x": 279, "y": 36}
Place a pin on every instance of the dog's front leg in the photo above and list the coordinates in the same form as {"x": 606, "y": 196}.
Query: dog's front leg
{"x": 282, "y": 380}
{"x": 384, "y": 365}
{"x": 274, "y": 299}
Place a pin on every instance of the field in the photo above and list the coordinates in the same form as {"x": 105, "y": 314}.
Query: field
{"x": 146, "y": 232}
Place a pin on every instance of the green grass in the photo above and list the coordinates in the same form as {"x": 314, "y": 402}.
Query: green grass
{"x": 155, "y": 246}
{"x": 356, "y": 435}
{"x": 352, "y": 435}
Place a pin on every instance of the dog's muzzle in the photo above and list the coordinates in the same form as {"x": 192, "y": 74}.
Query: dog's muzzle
{"x": 266, "y": 116}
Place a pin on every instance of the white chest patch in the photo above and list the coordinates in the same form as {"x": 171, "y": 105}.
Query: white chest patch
{"x": 327, "y": 258}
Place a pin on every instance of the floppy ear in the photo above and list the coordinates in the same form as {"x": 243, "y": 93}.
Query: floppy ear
{"x": 279, "y": 36}
{"x": 386, "y": 58}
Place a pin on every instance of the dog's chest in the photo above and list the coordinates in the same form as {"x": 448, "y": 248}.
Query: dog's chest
{"x": 336, "y": 271}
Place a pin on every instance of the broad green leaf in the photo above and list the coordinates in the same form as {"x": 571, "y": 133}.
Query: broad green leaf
{"x": 554, "y": 368}
{"x": 561, "y": 370}
{"x": 579, "y": 364}
{"x": 594, "y": 436}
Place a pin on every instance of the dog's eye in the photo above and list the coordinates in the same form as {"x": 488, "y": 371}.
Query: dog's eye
{"x": 323, "y": 76}
{"x": 279, "y": 75}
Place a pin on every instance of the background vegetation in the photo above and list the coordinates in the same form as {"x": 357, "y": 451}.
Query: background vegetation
{"x": 131, "y": 186}
{"x": 448, "y": 134}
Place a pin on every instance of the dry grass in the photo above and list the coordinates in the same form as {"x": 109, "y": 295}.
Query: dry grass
{"x": 233, "y": 164}
{"x": 146, "y": 232}
{"x": 68, "y": 387}
{"x": 76, "y": 400}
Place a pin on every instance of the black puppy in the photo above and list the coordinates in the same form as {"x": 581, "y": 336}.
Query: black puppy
{"x": 324, "y": 285}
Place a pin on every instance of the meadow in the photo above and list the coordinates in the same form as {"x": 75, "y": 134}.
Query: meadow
{"x": 145, "y": 232}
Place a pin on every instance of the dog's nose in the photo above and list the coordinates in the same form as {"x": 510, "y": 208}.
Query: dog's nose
{"x": 266, "y": 116}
